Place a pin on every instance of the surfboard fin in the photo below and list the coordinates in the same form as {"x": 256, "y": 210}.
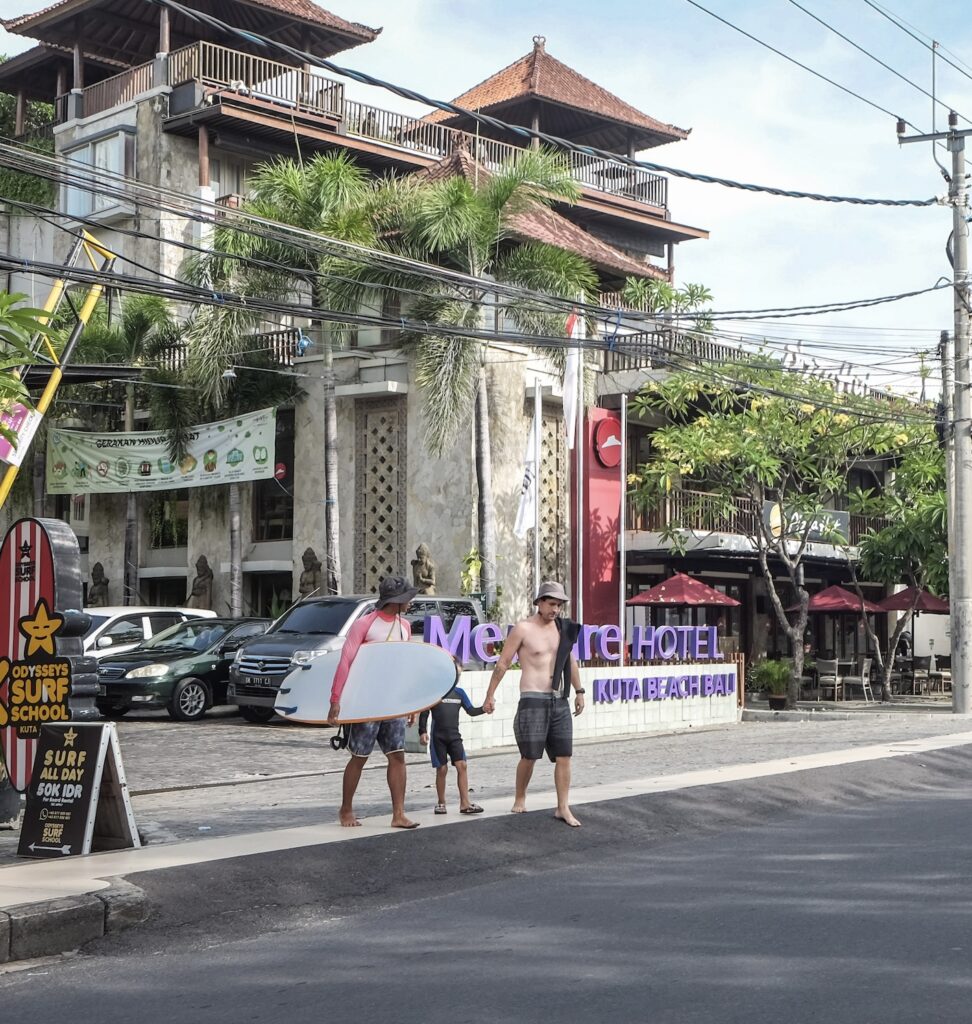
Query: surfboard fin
{"x": 285, "y": 711}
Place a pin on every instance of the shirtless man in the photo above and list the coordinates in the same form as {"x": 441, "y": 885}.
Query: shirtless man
{"x": 548, "y": 671}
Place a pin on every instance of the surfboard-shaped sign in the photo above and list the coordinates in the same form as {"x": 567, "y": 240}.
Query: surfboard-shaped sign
{"x": 386, "y": 680}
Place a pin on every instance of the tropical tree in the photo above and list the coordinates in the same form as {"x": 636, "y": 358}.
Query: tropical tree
{"x": 330, "y": 196}
{"x": 911, "y": 544}
{"x": 145, "y": 329}
{"x": 470, "y": 226}
{"x": 770, "y": 451}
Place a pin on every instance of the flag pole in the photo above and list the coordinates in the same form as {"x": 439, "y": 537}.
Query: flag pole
{"x": 537, "y": 424}
{"x": 622, "y": 529}
{"x": 579, "y": 596}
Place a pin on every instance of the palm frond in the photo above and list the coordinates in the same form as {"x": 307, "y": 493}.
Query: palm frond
{"x": 445, "y": 370}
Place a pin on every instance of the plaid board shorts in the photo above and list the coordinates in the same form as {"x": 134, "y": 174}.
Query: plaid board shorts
{"x": 389, "y": 735}
{"x": 544, "y": 723}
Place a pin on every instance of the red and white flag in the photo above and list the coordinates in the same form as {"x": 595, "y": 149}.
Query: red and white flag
{"x": 571, "y": 373}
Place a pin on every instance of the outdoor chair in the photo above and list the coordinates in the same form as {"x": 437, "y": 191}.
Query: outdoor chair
{"x": 919, "y": 674}
{"x": 863, "y": 681}
{"x": 941, "y": 678}
{"x": 828, "y": 680}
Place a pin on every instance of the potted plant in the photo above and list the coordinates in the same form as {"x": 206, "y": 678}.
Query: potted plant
{"x": 773, "y": 677}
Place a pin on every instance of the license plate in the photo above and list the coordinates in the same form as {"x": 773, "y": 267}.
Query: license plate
{"x": 102, "y": 689}
{"x": 263, "y": 681}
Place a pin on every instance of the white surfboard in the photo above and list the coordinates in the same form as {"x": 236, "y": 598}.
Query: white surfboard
{"x": 387, "y": 680}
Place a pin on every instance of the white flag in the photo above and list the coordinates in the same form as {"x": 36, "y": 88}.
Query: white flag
{"x": 571, "y": 371}
{"x": 527, "y": 512}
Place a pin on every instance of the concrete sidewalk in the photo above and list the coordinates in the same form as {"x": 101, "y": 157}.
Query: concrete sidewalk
{"x": 213, "y": 800}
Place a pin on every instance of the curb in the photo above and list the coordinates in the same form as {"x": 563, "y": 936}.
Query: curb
{"x": 52, "y": 927}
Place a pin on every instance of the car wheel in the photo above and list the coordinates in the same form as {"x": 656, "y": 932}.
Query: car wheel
{"x": 112, "y": 710}
{"x": 190, "y": 699}
{"x": 254, "y": 714}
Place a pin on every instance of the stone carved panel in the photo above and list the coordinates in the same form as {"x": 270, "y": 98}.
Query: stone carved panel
{"x": 380, "y": 495}
{"x": 554, "y": 501}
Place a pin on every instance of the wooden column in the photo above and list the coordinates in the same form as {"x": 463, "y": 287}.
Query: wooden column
{"x": 164, "y": 41}
{"x": 78, "y": 67}
{"x": 61, "y": 88}
{"x": 20, "y": 114}
{"x": 535, "y": 125}
{"x": 203, "y": 157}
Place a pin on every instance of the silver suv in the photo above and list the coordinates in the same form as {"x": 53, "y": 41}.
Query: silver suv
{"x": 314, "y": 627}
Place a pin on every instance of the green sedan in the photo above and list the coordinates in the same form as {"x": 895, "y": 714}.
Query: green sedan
{"x": 183, "y": 669}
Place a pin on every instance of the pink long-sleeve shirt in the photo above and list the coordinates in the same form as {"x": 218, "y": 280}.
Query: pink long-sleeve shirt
{"x": 371, "y": 628}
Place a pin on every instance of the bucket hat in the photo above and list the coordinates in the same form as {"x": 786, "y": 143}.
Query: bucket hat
{"x": 551, "y": 589}
{"x": 394, "y": 590}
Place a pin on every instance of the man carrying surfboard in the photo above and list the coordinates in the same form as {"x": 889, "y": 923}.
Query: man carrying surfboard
{"x": 383, "y": 624}
{"x": 548, "y": 673}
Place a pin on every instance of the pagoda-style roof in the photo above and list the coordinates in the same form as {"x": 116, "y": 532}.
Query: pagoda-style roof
{"x": 35, "y": 71}
{"x": 540, "y": 223}
{"x": 128, "y": 30}
{"x": 568, "y": 105}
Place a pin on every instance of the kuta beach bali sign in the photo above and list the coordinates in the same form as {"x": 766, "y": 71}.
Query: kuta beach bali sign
{"x": 228, "y": 451}
{"x": 670, "y": 646}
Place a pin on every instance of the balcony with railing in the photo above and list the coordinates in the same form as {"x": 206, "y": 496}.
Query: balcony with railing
{"x": 702, "y": 512}
{"x": 224, "y": 74}
{"x": 109, "y": 93}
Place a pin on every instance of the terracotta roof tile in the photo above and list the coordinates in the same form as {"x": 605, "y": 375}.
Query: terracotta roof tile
{"x": 302, "y": 9}
{"x": 542, "y": 76}
{"x": 541, "y": 224}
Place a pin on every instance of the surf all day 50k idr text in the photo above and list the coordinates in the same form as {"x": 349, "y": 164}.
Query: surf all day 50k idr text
{"x": 648, "y": 643}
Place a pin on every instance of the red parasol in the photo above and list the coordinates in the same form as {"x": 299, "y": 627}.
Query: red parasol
{"x": 904, "y": 601}
{"x": 684, "y": 590}
{"x": 837, "y": 599}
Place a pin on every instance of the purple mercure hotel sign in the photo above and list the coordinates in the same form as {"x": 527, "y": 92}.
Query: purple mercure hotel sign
{"x": 648, "y": 643}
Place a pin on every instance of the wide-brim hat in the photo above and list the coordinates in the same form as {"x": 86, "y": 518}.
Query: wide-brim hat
{"x": 553, "y": 590}
{"x": 394, "y": 590}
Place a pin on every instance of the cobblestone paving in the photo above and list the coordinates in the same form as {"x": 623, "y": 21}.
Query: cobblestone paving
{"x": 222, "y": 776}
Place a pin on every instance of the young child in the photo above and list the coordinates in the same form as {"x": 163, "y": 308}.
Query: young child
{"x": 446, "y": 743}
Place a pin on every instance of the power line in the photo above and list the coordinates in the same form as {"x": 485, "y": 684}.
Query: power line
{"x": 555, "y": 141}
{"x": 900, "y": 23}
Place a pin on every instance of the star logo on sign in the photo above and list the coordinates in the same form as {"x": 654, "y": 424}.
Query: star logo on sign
{"x": 25, "y": 551}
{"x": 69, "y": 737}
{"x": 40, "y": 629}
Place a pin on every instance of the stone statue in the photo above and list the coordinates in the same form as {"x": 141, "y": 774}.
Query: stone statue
{"x": 423, "y": 570}
{"x": 312, "y": 578}
{"x": 201, "y": 595}
{"x": 98, "y": 590}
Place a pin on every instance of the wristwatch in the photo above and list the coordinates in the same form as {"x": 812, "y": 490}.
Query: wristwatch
{"x": 581, "y": 690}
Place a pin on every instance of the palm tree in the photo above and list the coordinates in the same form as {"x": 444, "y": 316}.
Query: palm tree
{"x": 144, "y": 329}
{"x": 470, "y": 225}
{"x": 329, "y": 195}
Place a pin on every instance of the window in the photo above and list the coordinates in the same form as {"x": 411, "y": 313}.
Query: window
{"x": 127, "y": 630}
{"x": 168, "y": 516}
{"x": 273, "y": 499}
{"x": 416, "y": 615}
{"x": 391, "y": 309}
{"x": 114, "y": 154}
{"x": 162, "y": 620}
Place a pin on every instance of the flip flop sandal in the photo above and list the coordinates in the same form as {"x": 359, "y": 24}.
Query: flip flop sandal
{"x": 472, "y": 809}
{"x": 440, "y": 809}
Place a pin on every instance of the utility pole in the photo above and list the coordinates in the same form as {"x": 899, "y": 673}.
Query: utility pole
{"x": 960, "y": 552}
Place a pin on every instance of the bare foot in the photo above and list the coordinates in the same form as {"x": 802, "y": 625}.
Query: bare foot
{"x": 403, "y": 822}
{"x": 348, "y": 820}
{"x": 568, "y": 819}
{"x": 519, "y": 807}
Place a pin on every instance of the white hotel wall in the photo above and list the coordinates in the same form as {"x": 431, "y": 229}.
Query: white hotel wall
{"x": 601, "y": 721}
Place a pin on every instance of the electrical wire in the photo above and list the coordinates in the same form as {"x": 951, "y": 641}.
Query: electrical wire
{"x": 303, "y": 57}
{"x": 901, "y": 23}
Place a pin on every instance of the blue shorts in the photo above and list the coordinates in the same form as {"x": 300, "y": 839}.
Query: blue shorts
{"x": 389, "y": 735}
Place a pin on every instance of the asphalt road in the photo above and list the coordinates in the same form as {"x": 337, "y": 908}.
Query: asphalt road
{"x": 837, "y": 895}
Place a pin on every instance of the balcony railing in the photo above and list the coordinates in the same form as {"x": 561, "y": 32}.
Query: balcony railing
{"x": 280, "y": 348}
{"x": 664, "y": 348}
{"x": 225, "y": 71}
{"x": 111, "y": 92}
{"x": 702, "y": 512}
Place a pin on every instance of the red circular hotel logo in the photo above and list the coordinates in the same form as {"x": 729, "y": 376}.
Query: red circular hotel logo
{"x": 607, "y": 442}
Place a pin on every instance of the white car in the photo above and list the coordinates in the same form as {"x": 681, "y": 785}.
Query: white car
{"x": 116, "y": 630}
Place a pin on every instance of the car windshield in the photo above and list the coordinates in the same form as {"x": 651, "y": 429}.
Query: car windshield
{"x": 326, "y": 618}
{"x": 196, "y": 634}
{"x": 96, "y": 621}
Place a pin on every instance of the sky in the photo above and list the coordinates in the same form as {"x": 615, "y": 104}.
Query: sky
{"x": 754, "y": 117}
